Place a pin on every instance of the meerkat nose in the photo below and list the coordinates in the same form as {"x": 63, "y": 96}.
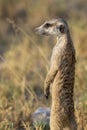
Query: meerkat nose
{"x": 37, "y": 30}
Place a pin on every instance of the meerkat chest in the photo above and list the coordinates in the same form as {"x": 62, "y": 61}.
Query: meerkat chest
{"x": 57, "y": 53}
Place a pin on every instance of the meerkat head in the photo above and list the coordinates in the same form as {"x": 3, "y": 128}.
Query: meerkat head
{"x": 56, "y": 27}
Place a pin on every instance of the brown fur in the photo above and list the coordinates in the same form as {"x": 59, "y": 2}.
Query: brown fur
{"x": 61, "y": 75}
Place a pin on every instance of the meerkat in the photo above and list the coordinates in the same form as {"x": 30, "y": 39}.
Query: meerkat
{"x": 61, "y": 75}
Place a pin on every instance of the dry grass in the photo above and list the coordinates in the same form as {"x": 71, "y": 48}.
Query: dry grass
{"x": 25, "y": 56}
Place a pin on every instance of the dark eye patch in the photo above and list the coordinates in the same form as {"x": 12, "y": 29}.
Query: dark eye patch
{"x": 47, "y": 25}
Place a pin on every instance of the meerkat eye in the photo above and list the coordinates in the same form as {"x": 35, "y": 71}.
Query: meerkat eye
{"x": 62, "y": 28}
{"x": 47, "y": 25}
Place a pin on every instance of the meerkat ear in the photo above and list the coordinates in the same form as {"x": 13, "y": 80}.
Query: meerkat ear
{"x": 62, "y": 28}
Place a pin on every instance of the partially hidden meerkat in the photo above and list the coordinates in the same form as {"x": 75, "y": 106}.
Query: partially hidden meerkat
{"x": 61, "y": 75}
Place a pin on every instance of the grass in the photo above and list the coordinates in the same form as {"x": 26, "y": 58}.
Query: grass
{"x": 25, "y": 56}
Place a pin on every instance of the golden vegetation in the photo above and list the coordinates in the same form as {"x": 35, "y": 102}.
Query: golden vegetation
{"x": 25, "y": 56}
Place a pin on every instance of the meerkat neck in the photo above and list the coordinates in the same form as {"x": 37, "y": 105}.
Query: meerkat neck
{"x": 64, "y": 39}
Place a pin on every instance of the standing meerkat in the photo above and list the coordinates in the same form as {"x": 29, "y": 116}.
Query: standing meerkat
{"x": 61, "y": 75}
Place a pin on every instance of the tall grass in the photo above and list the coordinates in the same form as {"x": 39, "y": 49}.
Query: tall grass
{"x": 25, "y": 56}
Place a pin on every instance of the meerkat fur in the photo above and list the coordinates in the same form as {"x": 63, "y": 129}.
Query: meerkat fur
{"x": 61, "y": 75}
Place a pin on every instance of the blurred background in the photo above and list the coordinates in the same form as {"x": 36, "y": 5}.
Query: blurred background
{"x": 25, "y": 57}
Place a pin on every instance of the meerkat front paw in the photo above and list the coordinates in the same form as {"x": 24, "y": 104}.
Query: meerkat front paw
{"x": 46, "y": 91}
